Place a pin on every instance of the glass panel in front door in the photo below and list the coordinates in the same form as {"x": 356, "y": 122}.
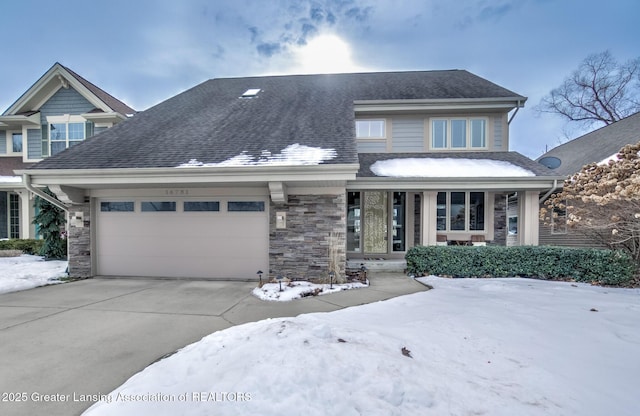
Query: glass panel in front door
{"x": 375, "y": 222}
{"x": 399, "y": 208}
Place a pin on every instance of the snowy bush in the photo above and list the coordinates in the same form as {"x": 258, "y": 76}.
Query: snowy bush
{"x": 544, "y": 262}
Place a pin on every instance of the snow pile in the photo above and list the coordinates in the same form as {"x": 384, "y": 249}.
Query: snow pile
{"x": 26, "y": 272}
{"x": 447, "y": 167}
{"x": 293, "y": 155}
{"x": 10, "y": 179}
{"x": 470, "y": 346}
{"x": 296, "y": 290}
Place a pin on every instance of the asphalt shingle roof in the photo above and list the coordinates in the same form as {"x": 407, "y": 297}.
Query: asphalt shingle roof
{"x": 211, "y": 123}
{"x": 595, "y": 146}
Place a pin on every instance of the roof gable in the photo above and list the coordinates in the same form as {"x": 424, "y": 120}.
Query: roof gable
{"x": 58, "y": 77}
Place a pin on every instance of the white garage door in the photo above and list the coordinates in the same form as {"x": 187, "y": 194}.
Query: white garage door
{"x": 199, "y": 238}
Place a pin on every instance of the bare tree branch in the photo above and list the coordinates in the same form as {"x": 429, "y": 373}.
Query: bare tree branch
{"x": 601, "y": 90}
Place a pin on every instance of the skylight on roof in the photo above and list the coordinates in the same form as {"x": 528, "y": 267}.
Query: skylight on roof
{"x": 252, "y": 92}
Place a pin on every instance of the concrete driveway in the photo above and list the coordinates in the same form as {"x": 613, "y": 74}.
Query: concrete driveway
{"x": 61, "y": 344}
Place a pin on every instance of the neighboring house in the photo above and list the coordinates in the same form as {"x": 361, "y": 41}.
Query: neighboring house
{"x": 272, "y": 173}
{"x": 60, "y": 110}
{"x": 569, "y": 158}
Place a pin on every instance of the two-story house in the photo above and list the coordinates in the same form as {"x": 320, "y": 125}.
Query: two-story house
{"x": 59, "y": 111}
{"x": 287, "y": 174}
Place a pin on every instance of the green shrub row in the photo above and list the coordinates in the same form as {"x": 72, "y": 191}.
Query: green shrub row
{"x": 26, "y": 246}
{"x": 543, "y": 262}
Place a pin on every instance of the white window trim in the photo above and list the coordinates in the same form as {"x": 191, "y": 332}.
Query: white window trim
{"x": 449, "y": 137}
{"x": 373, "y": 138}
{"x": 64, "y": 119}
{"x": 467, "y": 207}
{"x": 563, "y": 227}
{"x": 9, "y": 139}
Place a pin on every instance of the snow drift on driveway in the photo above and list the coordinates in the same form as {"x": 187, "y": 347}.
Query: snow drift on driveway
{"x": 470, "y": 346}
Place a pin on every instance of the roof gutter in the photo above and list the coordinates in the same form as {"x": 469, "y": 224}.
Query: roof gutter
{"x": 549, "y": 192}
{"x": 26, "y": 180}
{"x": 520, "y": 104}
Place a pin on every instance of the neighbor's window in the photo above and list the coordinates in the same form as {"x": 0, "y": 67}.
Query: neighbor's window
{"x": 17, "y": 142}
{"x": 460, "y": 211}
{"x": 64, "y": 135}
{"x": 245, "y": 206}
{"x": 559, "y": 220}
{"x": 116, "y": 206}
{"x": 158, "y": 206}
{"x": 370, "y": 129}
{"x": 459, "y": 133}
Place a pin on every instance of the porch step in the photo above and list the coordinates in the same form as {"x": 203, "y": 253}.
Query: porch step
{"x": 378, "y": 265}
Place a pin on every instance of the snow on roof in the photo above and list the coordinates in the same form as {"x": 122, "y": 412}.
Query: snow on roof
{"x": 446, "y": 167}
{"x": 10, "y": 179}
{"x": 292, "y": 155}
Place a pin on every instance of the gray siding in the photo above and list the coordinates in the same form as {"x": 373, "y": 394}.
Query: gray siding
{"x": 570, "y": 239}
{"x": 4, "y": 215}
{"x": 3, "y": 142}
{"x": 65, "y": 101}
{"x": 371, "y": 147}
{"x": 34, "y": 143}
{"x": 97, "y": 130}
{"x": 498, "y": 134}
{"x": 407, "y": 135}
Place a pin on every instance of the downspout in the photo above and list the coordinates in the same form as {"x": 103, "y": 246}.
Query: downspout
{"x": 514, "y": 114}
{"x": 549, "y": 192}
{"x": 26, "y": 179}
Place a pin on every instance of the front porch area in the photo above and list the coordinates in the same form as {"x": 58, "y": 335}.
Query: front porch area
{"x": 383, "y": 224}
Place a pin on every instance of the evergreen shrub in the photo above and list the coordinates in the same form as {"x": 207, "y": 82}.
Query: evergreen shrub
{"x": 612, "y": 267}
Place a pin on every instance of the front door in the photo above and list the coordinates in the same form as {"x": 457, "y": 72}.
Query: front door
{"x": 376, "y": 222}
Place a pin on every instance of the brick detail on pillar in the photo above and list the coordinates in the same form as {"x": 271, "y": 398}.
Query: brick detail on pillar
{"x": 499, "y": 220}
{"x": 80, "y": 242}
{"x": 301, "y": 250}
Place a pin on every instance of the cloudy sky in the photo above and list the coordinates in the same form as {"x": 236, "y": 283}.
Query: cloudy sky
{"x": 145, "y": 51}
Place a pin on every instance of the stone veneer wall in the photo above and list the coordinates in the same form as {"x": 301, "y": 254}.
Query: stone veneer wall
{"x": 80, "y": 242}
{"x": 301, "y": 250}
{"x": 499, "y": 220}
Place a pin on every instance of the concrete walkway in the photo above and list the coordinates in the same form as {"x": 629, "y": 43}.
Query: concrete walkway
{"x": 60, "y": 343}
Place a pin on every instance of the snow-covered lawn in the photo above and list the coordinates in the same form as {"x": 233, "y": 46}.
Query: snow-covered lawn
{"x": 296, "y": 290}
{"x": 468, "y": 347}
{"x": 26, "y": 272}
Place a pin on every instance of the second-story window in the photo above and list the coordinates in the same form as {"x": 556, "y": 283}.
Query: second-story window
{"x": 370, "y": 129}
{"x": 63, "y": 135}
{"x": 62, "y": 132}
{"x": 16, "y": 142}
{"x": 459, "y": 133}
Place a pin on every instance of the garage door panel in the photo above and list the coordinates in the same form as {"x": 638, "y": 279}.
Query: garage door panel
{"x": 182, "y": 244}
